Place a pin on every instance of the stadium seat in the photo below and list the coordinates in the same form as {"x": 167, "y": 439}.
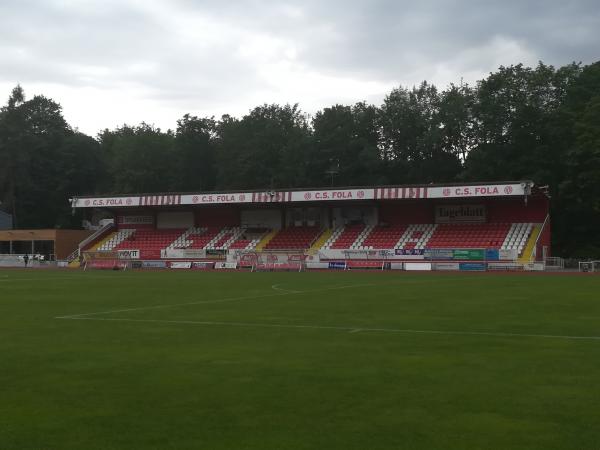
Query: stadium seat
{"x": 294, "y": 238}
{"x": 383, "y": 237}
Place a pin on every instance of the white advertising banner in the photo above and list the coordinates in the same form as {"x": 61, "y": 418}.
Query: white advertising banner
{"x": 181, "y": 265}
{"x": 373, "y": 193}
{"x": 460, "y": 213}
{"x": 417, "y": 266}
{"x": 507, "y": 255}
{"x": 128, "y": 254}
{"x": 225, "y": 265}
{"x": 335, "y": 254}
{"x": 210, "y": 199}
{"x": 105, "y": 202}
{"x": 333, "y": 194}
{"x": 183, "y": 253}
{"x": 482, "y": 190}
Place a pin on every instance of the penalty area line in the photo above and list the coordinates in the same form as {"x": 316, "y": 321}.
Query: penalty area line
{"x": 340, "y": 328}
{"x": 221, "y": 300}
{"x": 276, "y": 287}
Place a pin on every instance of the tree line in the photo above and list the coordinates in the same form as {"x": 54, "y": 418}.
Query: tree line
{"x": 540, "y": 123}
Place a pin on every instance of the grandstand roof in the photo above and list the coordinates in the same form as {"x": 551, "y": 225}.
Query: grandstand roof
{"x": 352, "y": 193}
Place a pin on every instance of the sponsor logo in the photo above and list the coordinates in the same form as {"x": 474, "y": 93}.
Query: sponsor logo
{"x": 471, "y": 266}
{"x": 333, "y": 195}
{"x": 195, "y": 199}
{"x": 217, "y": 198}
{"x": 135, "y": 220}
{"x": 508, "y": 190}
{"x": 181, "y": 265}
{"x": 475, "y": 191}
{"x": 307, "y": 195}
{"x": 242, "y": 197}
{"x": 447, "y": 192}
{"x": 109, "y": 201}
{"x": 225, "y": 265}
{"x": 460, "y": 213}
{"x": 128, "y": 254}
{"x": 360, "y": 194}
{"x": 409, "y": 251}
{"x": 154, "y": 264}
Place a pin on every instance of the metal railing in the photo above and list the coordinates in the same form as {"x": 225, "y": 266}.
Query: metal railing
{"x": 537, "y": 239}
{"x": 88, "y": 240}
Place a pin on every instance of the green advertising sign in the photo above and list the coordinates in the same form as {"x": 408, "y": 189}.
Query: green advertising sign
{"x": 469, "y": 254}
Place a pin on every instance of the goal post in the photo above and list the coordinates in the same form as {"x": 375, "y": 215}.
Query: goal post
{"x": 365, "y": 259}
{"x": 273, "y": 260}
{"x": 110, "y": 260}
{"x": 589, "y": 266}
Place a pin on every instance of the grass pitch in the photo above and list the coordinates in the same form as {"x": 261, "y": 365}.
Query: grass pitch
{"x": 190, "y": 360}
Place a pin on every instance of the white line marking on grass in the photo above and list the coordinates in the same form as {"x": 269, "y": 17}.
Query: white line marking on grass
{"x": 65, "y": 277}
{"x": 221, "y": 300}
{"x": 277, "y": 288}
{"x": 340, "y": 328}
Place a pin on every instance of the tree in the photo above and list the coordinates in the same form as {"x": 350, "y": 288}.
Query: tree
{"x": 577, "y": 203}
{"x": 346, "y": 142}
{"x": 195, "y": 153}
{"x": 32, "y": 133}
{"x": 265, "y": 149}
{"x": 139, "y": 159}
{"x": 413, "y": 137}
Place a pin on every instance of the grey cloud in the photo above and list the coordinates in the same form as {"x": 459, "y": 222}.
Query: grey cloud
{"x": 157, "y": 49}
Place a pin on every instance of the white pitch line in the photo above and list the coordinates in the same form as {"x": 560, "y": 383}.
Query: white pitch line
{"x": 65, "y": 277}
{"x": 341, "y": 328}
{"x": 277, "y": 288}
{"x": 200, "y": 302}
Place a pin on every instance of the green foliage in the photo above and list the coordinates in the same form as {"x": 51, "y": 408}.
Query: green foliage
{"x": 346, "y": 145}
{"x": 538, "y": 123}
{"x": 266, "y": 148}
{"x": 194, "y": 154}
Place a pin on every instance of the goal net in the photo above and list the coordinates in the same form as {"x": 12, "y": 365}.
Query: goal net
{"x": 104, "y": 260}
{"x": 272, "y": 260}
{"x": 589, "y": 266}
{"x": 365, "y": 259}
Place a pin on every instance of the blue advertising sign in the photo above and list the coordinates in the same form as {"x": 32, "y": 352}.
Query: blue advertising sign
{"x": 409, "y": 251}
{"x": 492, "y": 254}
{"x": 154, "y": 264}
{"x": 337, "y": 265}
{"x": 472, "y": 266}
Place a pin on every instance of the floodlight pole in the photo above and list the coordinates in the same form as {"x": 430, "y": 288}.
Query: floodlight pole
{"x": 333, "y": 173}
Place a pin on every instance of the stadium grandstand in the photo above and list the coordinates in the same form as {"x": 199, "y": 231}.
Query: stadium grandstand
{"x": 471, "y": 226}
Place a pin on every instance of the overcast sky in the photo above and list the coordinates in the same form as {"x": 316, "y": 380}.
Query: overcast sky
{"x": 111, "y": 62}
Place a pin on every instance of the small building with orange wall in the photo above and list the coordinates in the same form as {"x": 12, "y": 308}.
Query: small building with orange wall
{"x": 52, "y": 243}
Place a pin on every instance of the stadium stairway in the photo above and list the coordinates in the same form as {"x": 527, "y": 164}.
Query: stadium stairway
{"x": 527, "y": 255}
{"x": 344, "y": 237}
{"x": 320, "y": 241}
{"x": 266, "y": 240}
{"x": 416, "y": 236}
{"x": 75, "y": 263}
